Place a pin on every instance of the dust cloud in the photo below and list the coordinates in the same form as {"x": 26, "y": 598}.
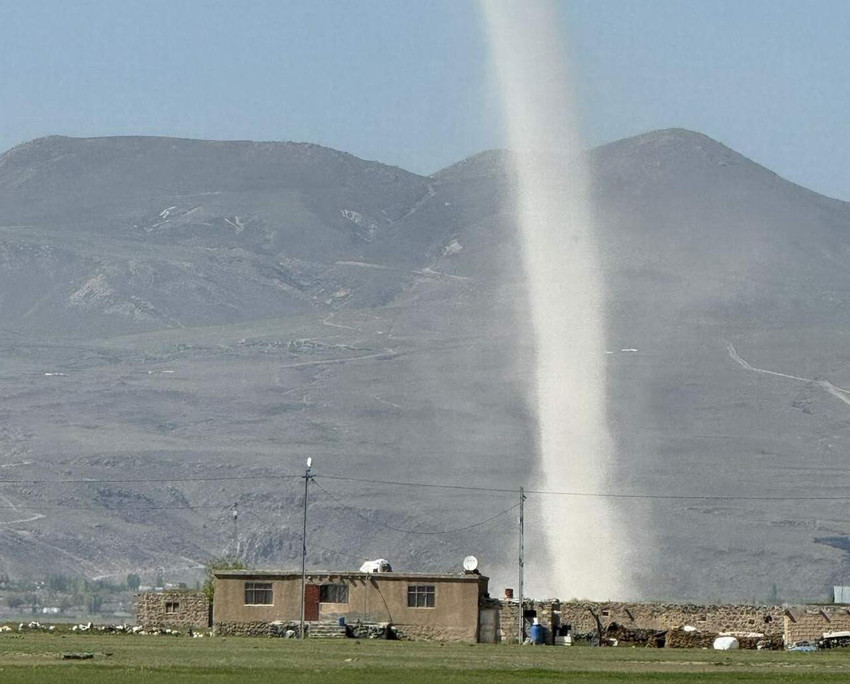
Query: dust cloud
{"x": 566, "y": 293}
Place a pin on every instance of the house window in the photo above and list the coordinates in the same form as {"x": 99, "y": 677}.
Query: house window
{"x": 421, "y": 596}
{"x": 606, "y": 613}
{"x": 172, "y": 607}
{"x": 258, "y": 594}
{"x": 333, "y": 593}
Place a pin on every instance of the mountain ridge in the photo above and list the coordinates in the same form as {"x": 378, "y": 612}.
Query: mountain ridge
{"x": 233, "y": 309}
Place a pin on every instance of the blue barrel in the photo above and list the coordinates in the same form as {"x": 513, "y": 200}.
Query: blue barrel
{"x": 536, "y": 634}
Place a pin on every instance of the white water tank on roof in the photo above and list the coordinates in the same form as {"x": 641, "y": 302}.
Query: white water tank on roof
{"x": 379, "y": 565}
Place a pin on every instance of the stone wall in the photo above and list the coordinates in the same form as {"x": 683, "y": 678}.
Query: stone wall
{"x": 434, "y": 633}
{"x": 581, "y": 617}
{"x": 810, "y": 623}
{"x": 547, "y": 613}
{"x": 664, "y": 616}
{"x": 679, "y": 638}
{"x": 255, "y": 629}
{"x": 173, "y": 609}
{"x": 508, "y": 621}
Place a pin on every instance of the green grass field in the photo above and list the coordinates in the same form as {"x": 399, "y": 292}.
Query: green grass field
{"x": 37, "y": 657}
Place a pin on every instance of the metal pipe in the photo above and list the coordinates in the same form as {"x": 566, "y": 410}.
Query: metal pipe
{"x": 521, "y": 637}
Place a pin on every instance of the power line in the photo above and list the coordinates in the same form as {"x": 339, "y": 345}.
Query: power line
{"x": 436, "y": 485}
{"x": 38, "y": 507}
{"x": 341, "y": 553}
{"x": 145, "y": 480}
{"x": 398, "y": 529}
{"x": 690, "y": 497}
{"x": 419, "y": 484}
{"x": 603, "y": 495}
{"x": 265, "y": 521}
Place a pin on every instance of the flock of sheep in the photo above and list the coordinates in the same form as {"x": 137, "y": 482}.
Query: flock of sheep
{"x": 111, "y": 629}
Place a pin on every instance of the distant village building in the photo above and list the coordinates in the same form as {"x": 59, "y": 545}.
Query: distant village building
{"x": 457, "y": 607}
{"x": 421, "y": 606}
{"x": 175, "y": 609}
{"x": 811, "y": 623}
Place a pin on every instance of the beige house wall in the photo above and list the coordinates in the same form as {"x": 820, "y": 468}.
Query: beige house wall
{"x": 229, "y": 602}
{"x": 377, "y": 597}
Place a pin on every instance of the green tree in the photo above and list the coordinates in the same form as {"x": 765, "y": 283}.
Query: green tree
{"x": 774, "y": 595}
{"x": 94, "y": 602}
{"x": 80, "y": 584}
{"x": 225, "y": 563}
{"x": 133, "y": 581}
{"x": 57, "y": 582}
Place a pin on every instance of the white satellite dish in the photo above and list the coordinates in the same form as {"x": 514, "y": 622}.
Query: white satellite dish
{"x": 470, "y": 563}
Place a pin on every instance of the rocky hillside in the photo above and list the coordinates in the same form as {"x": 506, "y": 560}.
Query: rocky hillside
{"x": 176, "y": 314}
{"x": 131, "y": 234}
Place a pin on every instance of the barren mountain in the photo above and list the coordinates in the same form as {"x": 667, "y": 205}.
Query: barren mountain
{"x": 176, "y": 314}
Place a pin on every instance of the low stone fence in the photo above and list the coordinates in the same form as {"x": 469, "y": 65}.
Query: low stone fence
{"x": 582, "y": 616}
{"x": 680, "y": 638}
{"x": 645, "y": 624}
{"x": 255, "y": 629}
{"x": 291, "y": 628}
{"x": 626, "y": 636}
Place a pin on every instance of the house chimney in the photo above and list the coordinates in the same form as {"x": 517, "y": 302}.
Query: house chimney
{"x": 509, "y": 593}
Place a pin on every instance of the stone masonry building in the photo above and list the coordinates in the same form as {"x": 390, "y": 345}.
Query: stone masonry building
{"x": 174, "y": 609}
{"x": 810, "y": 623}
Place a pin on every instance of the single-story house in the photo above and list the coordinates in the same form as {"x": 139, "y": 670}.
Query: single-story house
{"x": 810, "y": 623}
{"x": 178, "y": 608}
{"x": 424, "y": 606}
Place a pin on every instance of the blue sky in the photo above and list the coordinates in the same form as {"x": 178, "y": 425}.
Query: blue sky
{"x": 407, "y": 82}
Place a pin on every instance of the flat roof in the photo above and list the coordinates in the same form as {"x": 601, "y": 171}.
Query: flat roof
{"x": 350, "y": 574}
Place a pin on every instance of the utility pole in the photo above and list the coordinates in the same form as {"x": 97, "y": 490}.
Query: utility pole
{"x": 235, "y": 515}
{"x": 307, "y": 477}
{"x": 521, "y": 562}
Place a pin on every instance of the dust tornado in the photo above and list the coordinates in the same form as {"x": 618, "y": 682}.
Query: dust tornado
{"x": 565, "y": 288}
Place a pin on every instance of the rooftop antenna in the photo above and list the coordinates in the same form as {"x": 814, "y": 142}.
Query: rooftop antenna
{"x": 307, "y": 477}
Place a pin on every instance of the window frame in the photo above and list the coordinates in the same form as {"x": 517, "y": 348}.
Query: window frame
{"x": 421, "y": 596}
{"x": 335, "y": 586}
{"x": 257, "y": 588}
{"x": 172, "y": 607}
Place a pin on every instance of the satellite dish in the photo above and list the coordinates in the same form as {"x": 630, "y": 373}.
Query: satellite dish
{"x": 470, "y": 563}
